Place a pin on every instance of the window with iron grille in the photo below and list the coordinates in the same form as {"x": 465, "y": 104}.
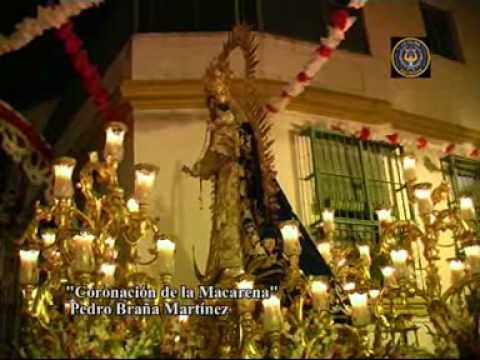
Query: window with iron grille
{"x": 353, "y": 177}
{"x": 464, "y": 176}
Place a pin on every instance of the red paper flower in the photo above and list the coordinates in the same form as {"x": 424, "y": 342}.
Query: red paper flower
{"x": 422, "y": 143}
{"x": 324, "y": 51}
{"x": 449, "y": 149}
{"x": 339, "y": 19}
{"x": 475, "y": 153}
{"x": 303, "y": 77}
{"x": 365, "y": 134}
{"x": 394, "y": 138}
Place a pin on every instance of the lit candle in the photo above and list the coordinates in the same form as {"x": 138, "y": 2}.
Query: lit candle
{"x": 364, "y": 251}
{"x": 114, "y": 138}
{"x": 183, "y": 318}
{"x": 290, "y": 235}
{"x": 467, "y": 208}
{"x": 399, "y": 258}
{"x": 424, "y": 201}
{"x": 133, "y": 206}
{"x": 108, "y": 272}
{"x": 145, "y": 176}
{"x": 410, "y": 168}
{"x": 62, "y": 182}
{"x": 349, "y": 286}
{"x": 272, "y": 314}
{"x": 387, "y": 273}
{"x": 48, "y": 237}
{"x": 325, "y": 249}
{"x": 374, "y": 293}
{"x": 166, "y": 260}
{"x": 328, "y": 218}
{"x": 360, "y": 311}
{"x": 384, "y": 217}
{"x": 472, "y": 253}
{"x": 320, "y": 295}
{"x": 245, "y": 305}
{"x": 83, "y": 252}
{"x": 245, "y": 284}
{"x": 110, "y": 242}
{"x": 28, "y": 267}
{"x": 457, "y": 269}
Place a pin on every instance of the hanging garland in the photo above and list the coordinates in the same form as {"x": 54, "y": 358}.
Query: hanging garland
{"x": 340, "y": 23}
{"x": 91, "y": 79}
{"x": 48, "y": 17}
{"x": 410, "y": 142}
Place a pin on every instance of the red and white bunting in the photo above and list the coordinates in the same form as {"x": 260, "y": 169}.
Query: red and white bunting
{"x": 340, "y": 23}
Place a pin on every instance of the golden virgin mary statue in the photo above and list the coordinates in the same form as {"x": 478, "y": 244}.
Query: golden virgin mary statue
{"x": 234, "y": 133}
{"x": 220, "y": 164}
{"x": 248, "y": 205}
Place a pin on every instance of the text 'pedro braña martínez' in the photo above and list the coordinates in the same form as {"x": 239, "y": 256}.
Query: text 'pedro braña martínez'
{"x": 122, "y": 307}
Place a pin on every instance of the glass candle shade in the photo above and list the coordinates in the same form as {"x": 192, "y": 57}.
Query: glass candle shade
{"x": 290, "y": 235}
{"x": 83, "y": 259}
{"x": 108, "y": 272}
{"x": 320, "y": 295}
{"x": 166, "y": 258}
{"x": 472, "y": 254}
{"x": 325, "y": 249}
{"x": 360, "y": 311}
{"x": 272, "y": 314}
{"x": 114, "y": 138}
{"x": 457, "y": 270}
{"x": 62, "y": 182}
{"x": 328, "y": 218}
{"x": 28, "y": 267}
{"x": 424, "y": 201}
{"x": 145, "y": 176}
{"x": 410, "y": 168}
{"x": 48, "y": 237}
{"x": 467, "y": 208}
{"x": 399, "y": 259}
{"x": 388, "y": 275}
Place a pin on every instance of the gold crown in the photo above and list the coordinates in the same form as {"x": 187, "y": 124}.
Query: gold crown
{"x": 217, "y": 80}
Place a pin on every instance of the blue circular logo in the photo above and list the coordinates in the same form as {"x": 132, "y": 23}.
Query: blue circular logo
{"x": 411, "y": 57}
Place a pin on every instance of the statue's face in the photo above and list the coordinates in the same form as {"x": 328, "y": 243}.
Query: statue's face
{"x": 250, "y": 229}
{"x": 225, "y": 118}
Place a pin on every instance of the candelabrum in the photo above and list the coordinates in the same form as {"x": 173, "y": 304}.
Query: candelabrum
{"x": 95, "y": 246}
{"x": 351, "y": 314}
{"x": 453, "y": 313}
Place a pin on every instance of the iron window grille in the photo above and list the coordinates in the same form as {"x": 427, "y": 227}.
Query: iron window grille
{"x": 355, "y": 178}
{"x": 464, "y": 177}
